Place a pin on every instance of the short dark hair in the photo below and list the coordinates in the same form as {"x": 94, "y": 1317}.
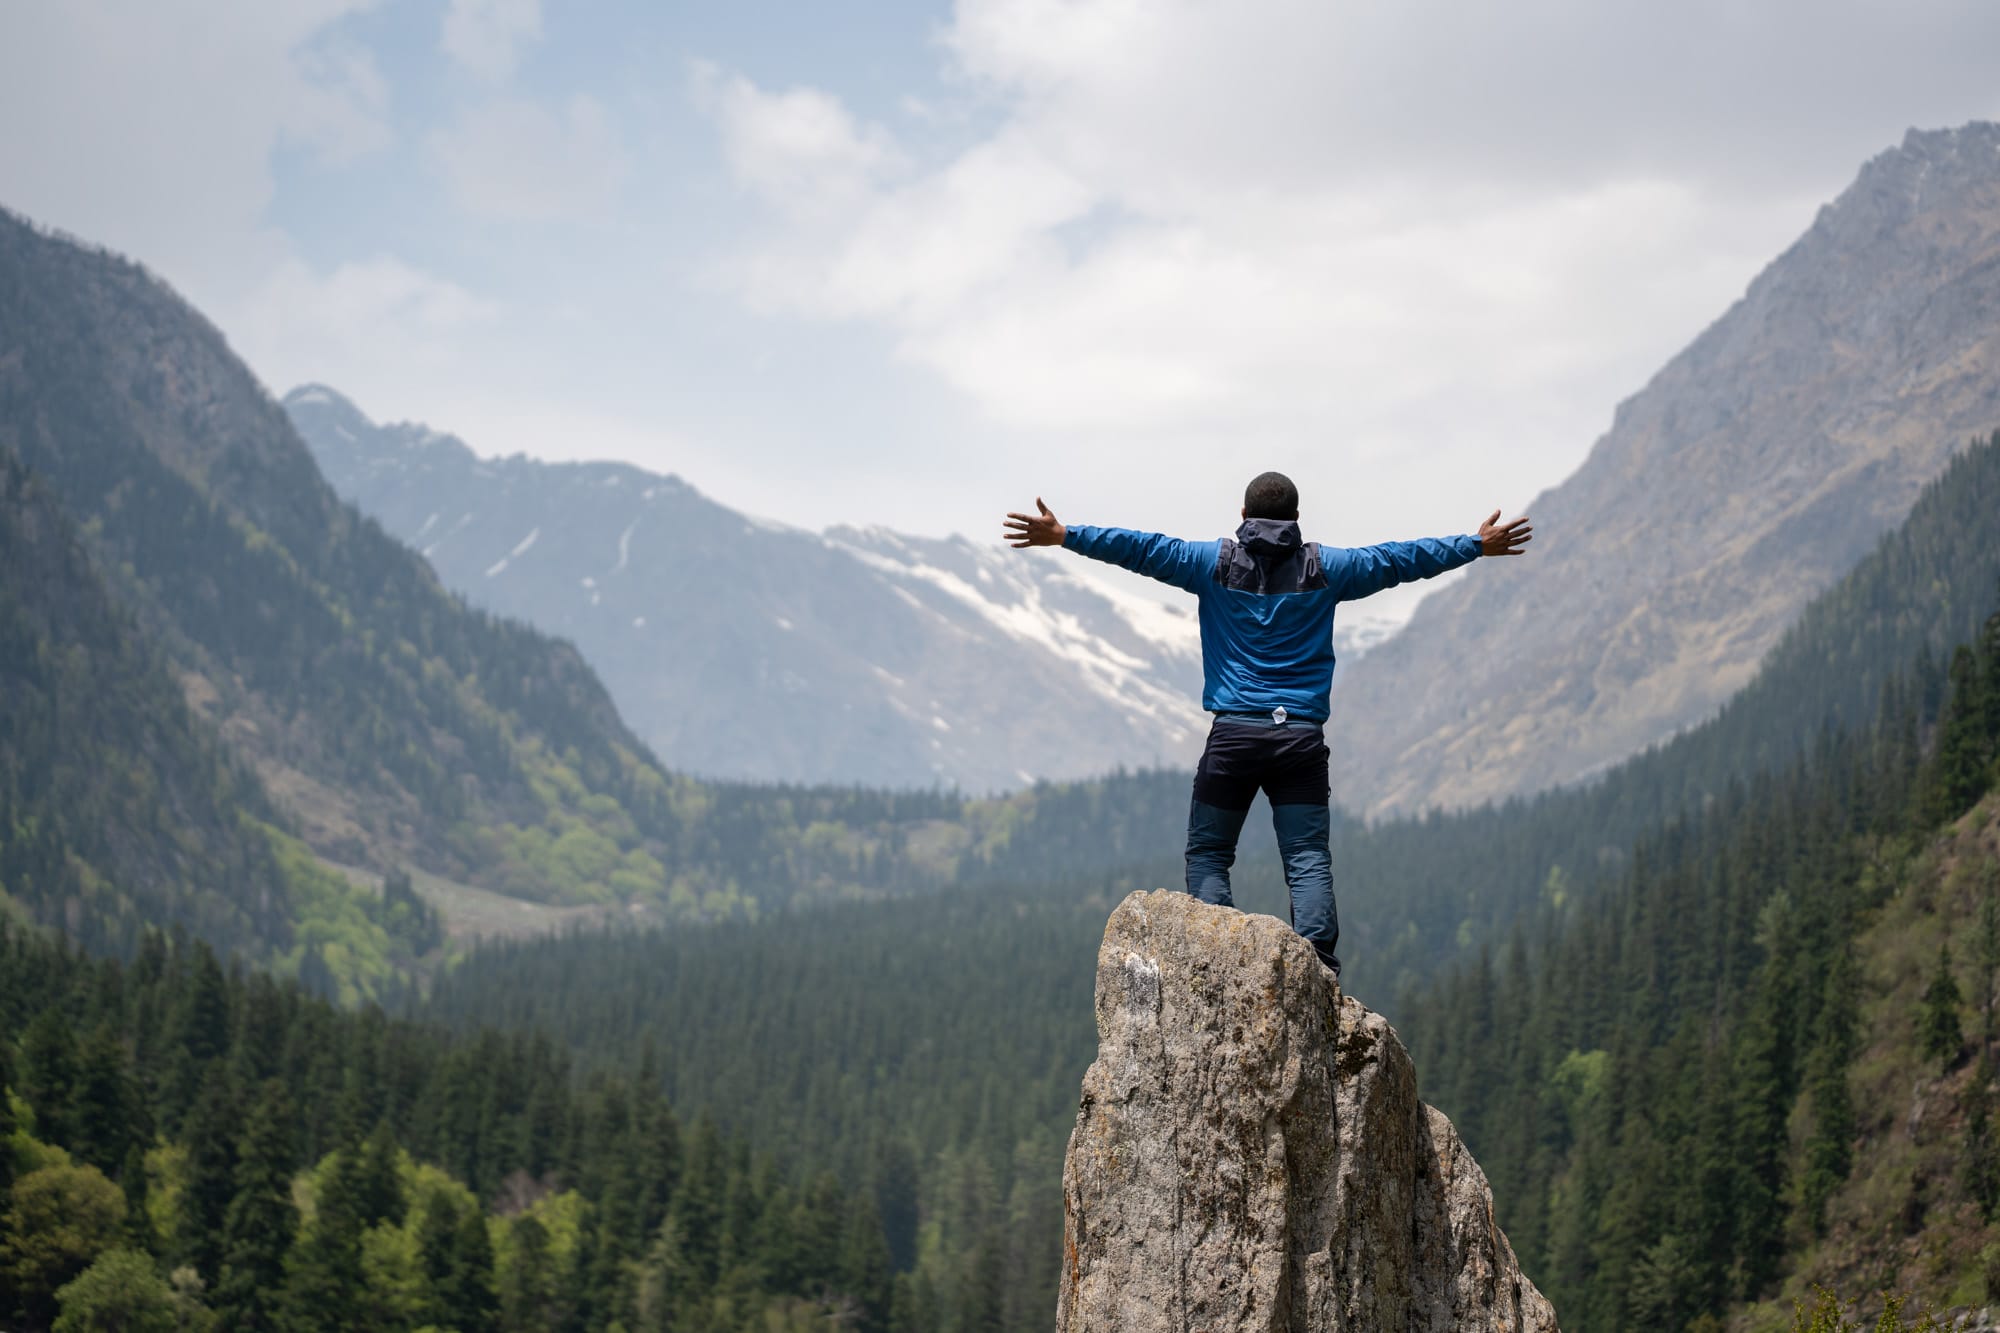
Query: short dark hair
{"x": 1271, "y": 495}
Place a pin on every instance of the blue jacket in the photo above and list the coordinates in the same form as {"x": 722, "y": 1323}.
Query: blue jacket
{"x": 1267, "y": 601}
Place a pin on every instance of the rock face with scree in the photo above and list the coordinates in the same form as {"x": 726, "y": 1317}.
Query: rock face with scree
{"x": 1251, "y": 1154}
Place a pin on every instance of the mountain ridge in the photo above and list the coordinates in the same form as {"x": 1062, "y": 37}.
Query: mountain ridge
{"x": 1752, "y": 470}
{"x": 857, "y": 654}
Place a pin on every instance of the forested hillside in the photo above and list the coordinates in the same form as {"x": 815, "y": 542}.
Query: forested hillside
{"x": 182, "y": 1147}
{"x": 1670, "y": 1085}
{"x": 121, "y": 810}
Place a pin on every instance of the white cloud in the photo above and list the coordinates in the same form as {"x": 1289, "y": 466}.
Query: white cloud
{"x": 799, "y": 150}
{"x": 342, "y": 106}
{"x": 524, "y": 161}
{"x": 487, "y": 36}
{"x": 362, "y": 324}
{"x": 150, "y": 127}
{"x": 1283, "y": 92}
{"x": 1418, "y": 250}
{"x": 1060, "y": 301}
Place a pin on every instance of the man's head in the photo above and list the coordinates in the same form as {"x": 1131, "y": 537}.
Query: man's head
{"x": 1271, "y": 495}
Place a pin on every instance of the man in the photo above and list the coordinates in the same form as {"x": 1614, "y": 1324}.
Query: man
{"x": 1266, "y": 606}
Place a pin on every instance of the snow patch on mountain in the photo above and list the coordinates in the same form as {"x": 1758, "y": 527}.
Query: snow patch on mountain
{"x": 500, "y": 566}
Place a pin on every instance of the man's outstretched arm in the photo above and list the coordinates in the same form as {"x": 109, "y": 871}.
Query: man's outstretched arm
{"x": 1365, "y": 570}
{"x": 1168, "y": 559}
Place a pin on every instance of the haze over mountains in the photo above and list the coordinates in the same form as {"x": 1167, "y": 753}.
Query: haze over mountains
{"x": 746, "y": 649}
{"x": 1752, "y": 471}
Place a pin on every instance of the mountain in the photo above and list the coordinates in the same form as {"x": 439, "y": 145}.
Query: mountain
{"x": 745, "y": 649}
{"x": 1751, "y": 472}
{"x": 331, "y": 690}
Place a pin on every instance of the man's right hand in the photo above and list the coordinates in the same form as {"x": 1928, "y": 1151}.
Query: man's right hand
{"x": 1497, "y": 538}
{"x": 1043, "y": 529}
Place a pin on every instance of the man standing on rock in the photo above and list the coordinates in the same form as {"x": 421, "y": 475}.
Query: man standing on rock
{"x": 1266, "y": 607}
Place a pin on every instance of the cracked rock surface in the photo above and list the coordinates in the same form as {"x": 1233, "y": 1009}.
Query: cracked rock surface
{"x": 1251, "y": 1154}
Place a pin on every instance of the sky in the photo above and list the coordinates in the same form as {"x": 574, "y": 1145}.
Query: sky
{"x": 914, "y": 264}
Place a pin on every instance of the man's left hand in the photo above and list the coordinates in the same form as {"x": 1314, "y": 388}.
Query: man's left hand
{"x": 1496, "y": 538}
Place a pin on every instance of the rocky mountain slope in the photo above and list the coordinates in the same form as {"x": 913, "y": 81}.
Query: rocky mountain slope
{"x": 1751, "y": 472}
{"x": 746, "y": 649}
{"x": 1251, "y": 1153}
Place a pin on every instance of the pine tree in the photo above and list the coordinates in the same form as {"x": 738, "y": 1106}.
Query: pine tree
{"x": 817, "y": 1223}
{"x": 1830, "y": 1146}
{"x": 1938, "y": 1031}
{"x": 657, "y": 1162}
{"x": 211, "y": 1174}
{"x": 49, "y": 1076}
{"x": 981, "y": 1294}
{"x": 913, "y": 1304}
{"x": 775, "y": 1249}
{"x": 528, "y": 1282}
{"x": 260, "y": 1030}
{"x": 323, "y": 1272}
{"x": 437, "y": 1238}
{"x": 864, "y": 1266}
{"x": 696, "y": 1212}
{"x": 1765, "y": 1088}
{"x": 379, "y": 1188}
{"x": 6, "y": 1123}
{"x": 577, "y": 1307}
{"x": 138, "y": 1215}
{"x": 107, "y": 1113}
{"x": 261, "y": 1221}
{"x": 896, "y": 1201}
{"x": 475, "y": 1308}
{"x": 198, "y": 1035}
{"x": 1959, "y": 773}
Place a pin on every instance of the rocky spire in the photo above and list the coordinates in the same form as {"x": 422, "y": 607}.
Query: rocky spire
{"x": 1251, "y": 1154}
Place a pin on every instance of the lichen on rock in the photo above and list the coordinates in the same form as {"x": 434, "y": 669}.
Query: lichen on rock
{"x": 1251, "y": 1154}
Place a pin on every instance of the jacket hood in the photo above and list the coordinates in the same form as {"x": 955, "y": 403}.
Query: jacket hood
{"x": 1269, "y": 538}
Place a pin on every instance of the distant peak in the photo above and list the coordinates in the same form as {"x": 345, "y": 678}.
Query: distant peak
{"x": 319, "y": 395}
{"x": 1977, "y": 134}
{"x": 1929, "y": 169}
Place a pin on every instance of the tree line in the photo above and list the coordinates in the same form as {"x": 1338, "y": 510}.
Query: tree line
{"x": 1661, "y": 1082}
{"x": 184, "y": 1146}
